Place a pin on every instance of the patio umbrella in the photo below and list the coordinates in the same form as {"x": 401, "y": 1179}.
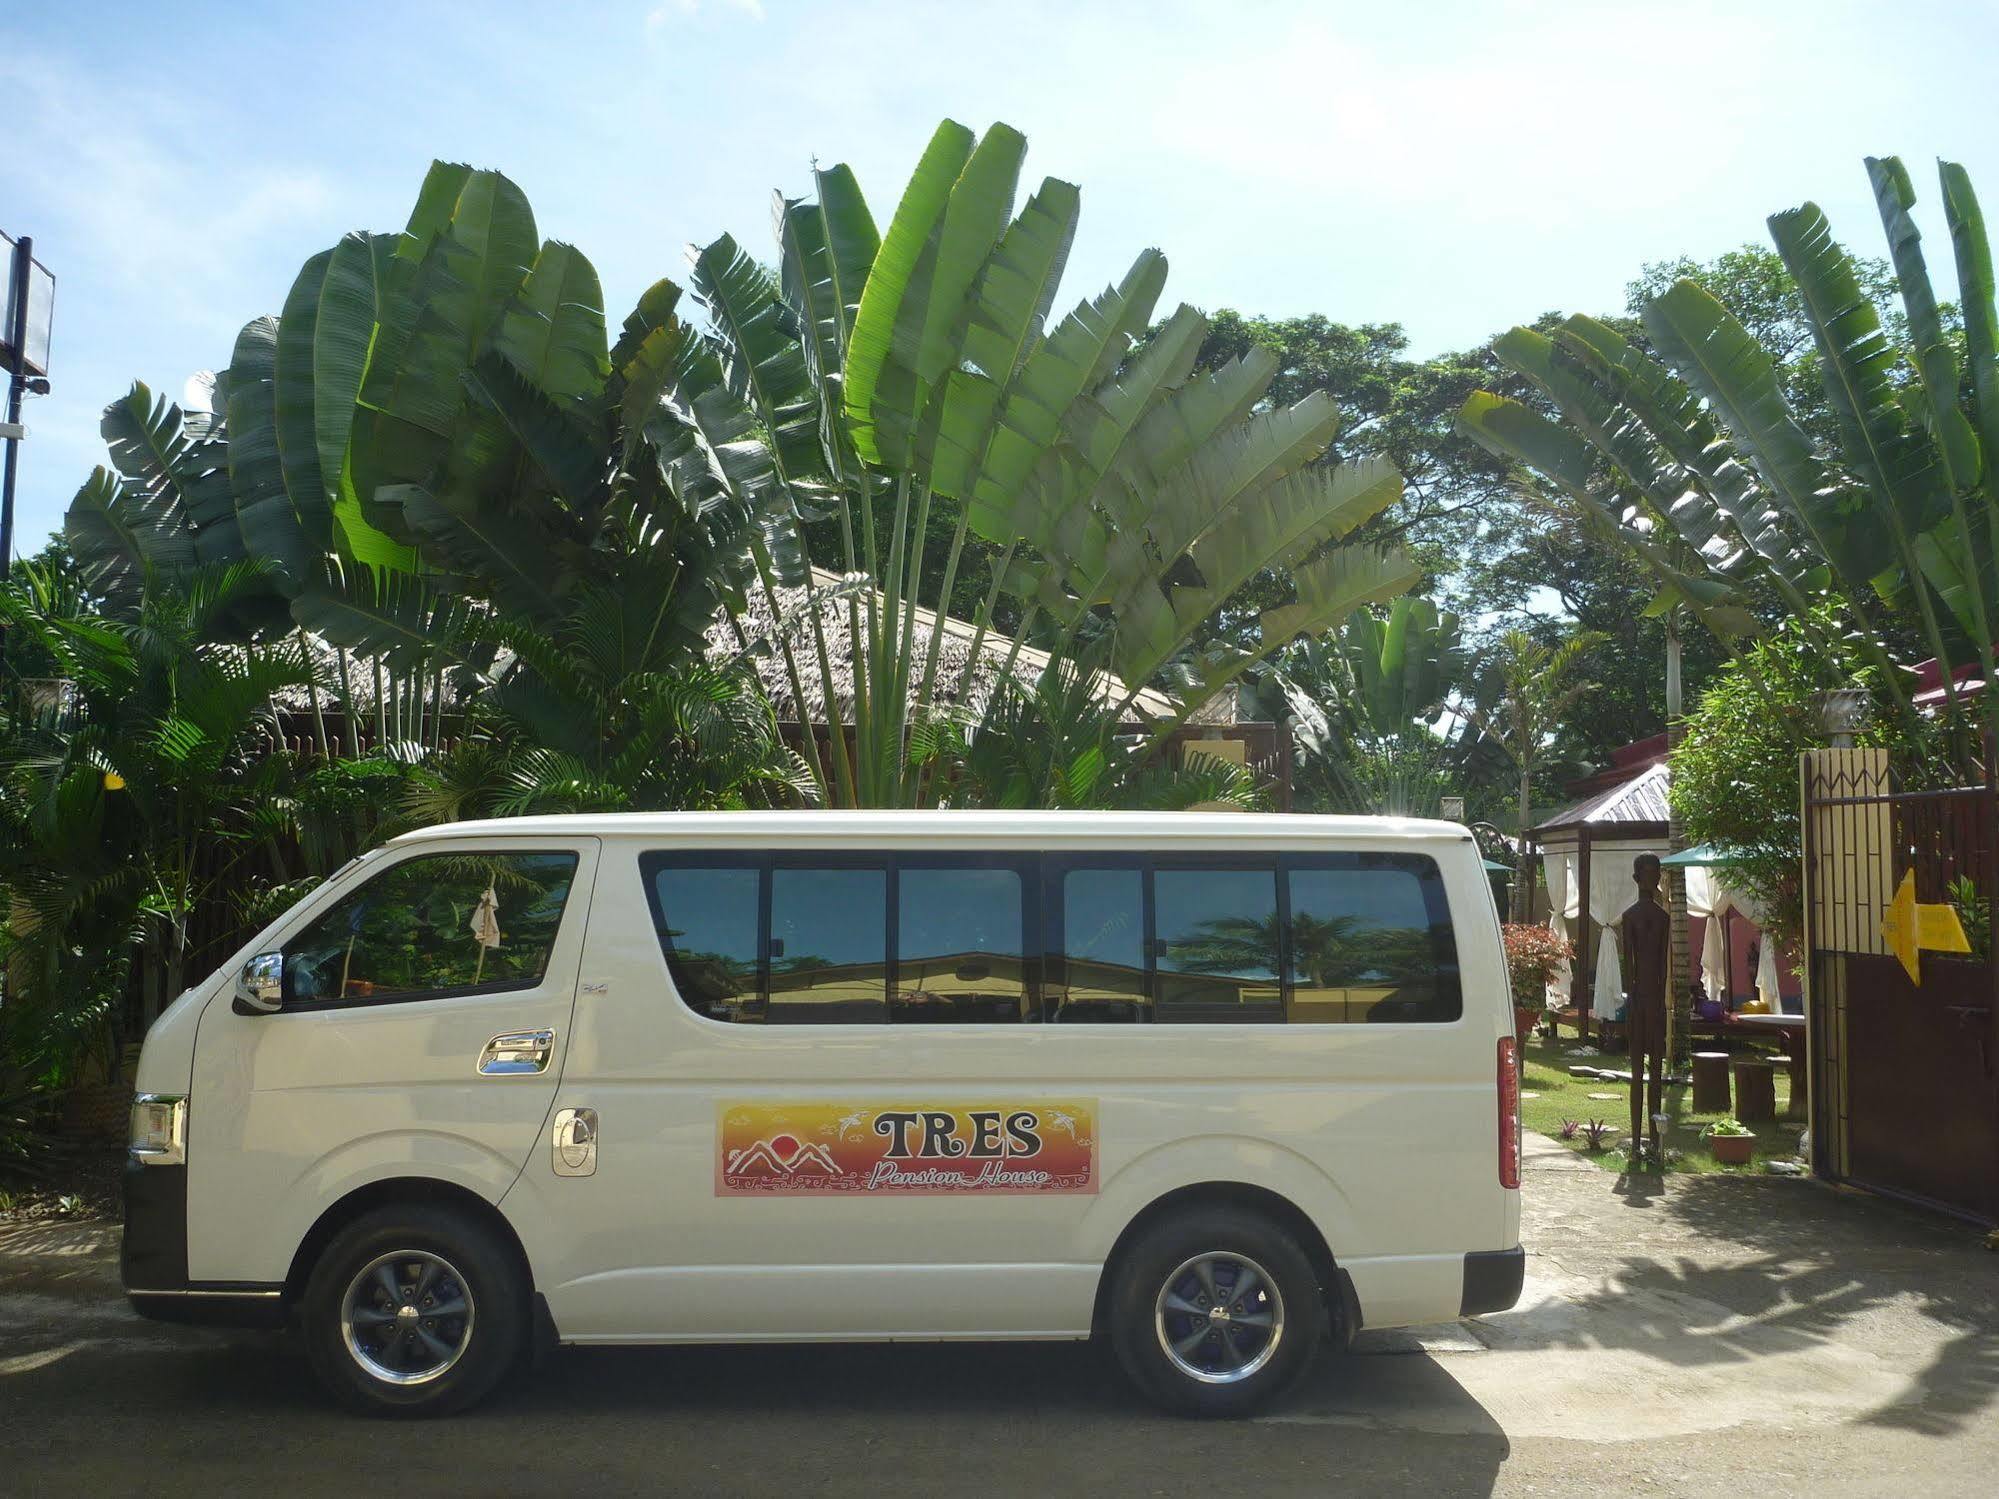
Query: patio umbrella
{"x": 1700, "y": 856}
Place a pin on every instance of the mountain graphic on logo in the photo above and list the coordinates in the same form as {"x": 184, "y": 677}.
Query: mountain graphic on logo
{"x": 762, "y": 1159}
{"x": 758, "y": 1160}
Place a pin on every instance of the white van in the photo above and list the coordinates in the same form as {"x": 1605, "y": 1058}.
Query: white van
{"x": 1218, "y": 1088}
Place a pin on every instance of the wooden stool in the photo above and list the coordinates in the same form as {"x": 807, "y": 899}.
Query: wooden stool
{"x": 1711, "y": 1082}
{"x": 1755, "y": 1090}
{"x": 1800, "y": 1089}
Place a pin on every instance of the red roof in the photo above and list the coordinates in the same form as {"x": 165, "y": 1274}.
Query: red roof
{"x": 1627, "y": 762}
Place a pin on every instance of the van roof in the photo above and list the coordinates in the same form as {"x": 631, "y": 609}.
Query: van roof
{"x": 1026, "y": 829}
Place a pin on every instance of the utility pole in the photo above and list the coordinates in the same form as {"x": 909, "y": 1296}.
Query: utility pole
{"x": 17, "y": 346}
{"x": 24, "y": 343}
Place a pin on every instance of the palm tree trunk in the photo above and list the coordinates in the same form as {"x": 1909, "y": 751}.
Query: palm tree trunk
{"x": 312, "y": 694}
{"x": 1679, "y": 963}
{"x": 352, "y": 731}
{"x": 1523, "y": 887}
{"x": 761, "y": 557}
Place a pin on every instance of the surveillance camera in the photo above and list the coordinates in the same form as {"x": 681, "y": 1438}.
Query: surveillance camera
{"x": 38, "y": 386}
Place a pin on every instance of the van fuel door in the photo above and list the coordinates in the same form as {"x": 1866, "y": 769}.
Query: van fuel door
{"x": 573, "y": 1142}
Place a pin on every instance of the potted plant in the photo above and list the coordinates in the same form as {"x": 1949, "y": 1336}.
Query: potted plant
{"x": 1731, "y": 1142}
{"x": 1534, "y": 955}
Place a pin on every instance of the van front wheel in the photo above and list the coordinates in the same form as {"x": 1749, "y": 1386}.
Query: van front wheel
{"x": 1215, "y": 1313}
{"x": 414, "y": 1311}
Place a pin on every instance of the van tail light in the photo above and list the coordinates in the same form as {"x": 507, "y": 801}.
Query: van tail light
{"x": 1509, "y": 1112}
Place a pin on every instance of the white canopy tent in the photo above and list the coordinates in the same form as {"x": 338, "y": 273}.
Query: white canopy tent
{"x": 1710, "y": 896}
{"x": 1587, "y": 850}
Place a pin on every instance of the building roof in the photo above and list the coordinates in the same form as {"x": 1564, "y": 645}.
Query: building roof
{"x": 1627, "y": 762}
{"x": 955, "y": 684}
{"x": 1630, "y": 806}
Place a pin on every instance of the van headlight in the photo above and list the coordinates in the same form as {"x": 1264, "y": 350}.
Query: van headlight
{"x": 159, "y": 1129}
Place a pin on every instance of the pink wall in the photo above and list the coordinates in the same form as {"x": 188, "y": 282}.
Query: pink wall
{"x": 1741, "y": 972}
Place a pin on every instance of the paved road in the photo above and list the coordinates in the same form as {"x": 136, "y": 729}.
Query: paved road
{"x": 1708, "y": 1336}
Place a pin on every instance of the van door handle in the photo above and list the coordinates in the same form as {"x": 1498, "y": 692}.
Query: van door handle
{"x": 517, "y": 1053}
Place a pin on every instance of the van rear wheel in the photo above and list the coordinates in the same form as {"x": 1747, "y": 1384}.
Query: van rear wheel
{"x": 1215, "y": 1313}
{"x": 414, "y": 1311}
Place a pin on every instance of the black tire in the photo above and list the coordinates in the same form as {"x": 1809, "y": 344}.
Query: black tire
{"x": 466, "y": 1267}
{"x": 1245, "y": 1369}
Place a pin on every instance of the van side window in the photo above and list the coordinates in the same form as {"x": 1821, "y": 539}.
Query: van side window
{"x": 1371, "y": 940}
{"x": 829, "y": 945}
{"x": 961, "y": 949}
{"x": 707, "y": 919}
{"x": 1217, "y": 947}
{"x": 434, "y": 925}
{"x": 1101, "y": 977}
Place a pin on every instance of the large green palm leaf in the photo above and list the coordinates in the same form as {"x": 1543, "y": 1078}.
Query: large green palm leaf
{"x": 873, "y": 343}
{"x": 271, "y": 525}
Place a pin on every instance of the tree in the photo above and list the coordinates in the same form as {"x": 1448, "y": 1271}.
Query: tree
{"x": 1522, "y": 697}
{"x": 130, "y": 779}
{"x": 1458, "y": 512}
{"x": 1754, "y": 284}
{"x": 1604, "y": 590}
{"x": 906, "y": 376}
{"x": 1058, "y": 744}
{"x": 1403, "y": 667}
{"x": 1735, "y": 771}
{"x": 1706, "y": 474}
{"x": 1358, "y": 703}
{"x": 434, "y": 432}
{"x": 567, "y": 737}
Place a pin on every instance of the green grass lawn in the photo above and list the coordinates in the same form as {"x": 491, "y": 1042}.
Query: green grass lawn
{"x": 1550, "y": 1095}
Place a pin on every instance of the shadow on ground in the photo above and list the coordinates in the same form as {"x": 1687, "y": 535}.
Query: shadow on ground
{"x": 926, "y": 1418}
{"x": 1771, "y": 1267}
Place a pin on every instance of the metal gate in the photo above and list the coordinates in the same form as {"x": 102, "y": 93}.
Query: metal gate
{"x": 1905, "y": 1091}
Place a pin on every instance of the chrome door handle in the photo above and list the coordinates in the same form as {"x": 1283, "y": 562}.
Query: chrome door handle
{"x": 517, "y": 1053}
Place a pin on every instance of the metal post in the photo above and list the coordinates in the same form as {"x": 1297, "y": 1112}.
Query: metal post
{"x": 17, "y": 338}
{"x": 1583, "y": 975}
{"x": 1991, "y": 809}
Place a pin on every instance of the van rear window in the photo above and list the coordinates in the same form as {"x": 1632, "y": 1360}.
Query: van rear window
{"x": 1167, "y": 939}
{"x": 1371, "y": 942}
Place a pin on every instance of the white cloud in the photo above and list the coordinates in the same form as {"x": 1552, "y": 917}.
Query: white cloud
{"x": 664, "y": 15}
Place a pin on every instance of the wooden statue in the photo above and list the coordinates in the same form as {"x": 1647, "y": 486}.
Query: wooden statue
{"x": 1646, "y": 933}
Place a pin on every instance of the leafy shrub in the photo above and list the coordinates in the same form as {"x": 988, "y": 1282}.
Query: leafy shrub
{"x": 1735, "y": 772}
{"x": 1534, "y": 954}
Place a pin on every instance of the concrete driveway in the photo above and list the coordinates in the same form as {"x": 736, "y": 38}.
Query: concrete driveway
{"x": 1709, "y": 1335}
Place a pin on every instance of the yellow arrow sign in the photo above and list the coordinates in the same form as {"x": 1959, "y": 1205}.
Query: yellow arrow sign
{"x": 1907, "y": 926}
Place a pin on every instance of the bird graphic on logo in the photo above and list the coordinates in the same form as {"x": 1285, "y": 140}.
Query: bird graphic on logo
{"x": 850, "y": 1124}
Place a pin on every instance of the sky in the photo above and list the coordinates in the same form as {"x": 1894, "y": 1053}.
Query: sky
{"x": 1454, "y": 167}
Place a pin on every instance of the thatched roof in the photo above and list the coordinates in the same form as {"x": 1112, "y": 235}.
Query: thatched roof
{"x": 958, "y": 680}
{"x": 757, "y": 620}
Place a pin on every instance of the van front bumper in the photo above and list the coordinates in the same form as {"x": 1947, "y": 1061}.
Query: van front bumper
{"x": 1493, "y": 1278}
{"x": 152, "y": 1260}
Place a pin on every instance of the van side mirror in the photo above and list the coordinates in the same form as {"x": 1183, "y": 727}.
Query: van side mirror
{"x": 260, "y": 988}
